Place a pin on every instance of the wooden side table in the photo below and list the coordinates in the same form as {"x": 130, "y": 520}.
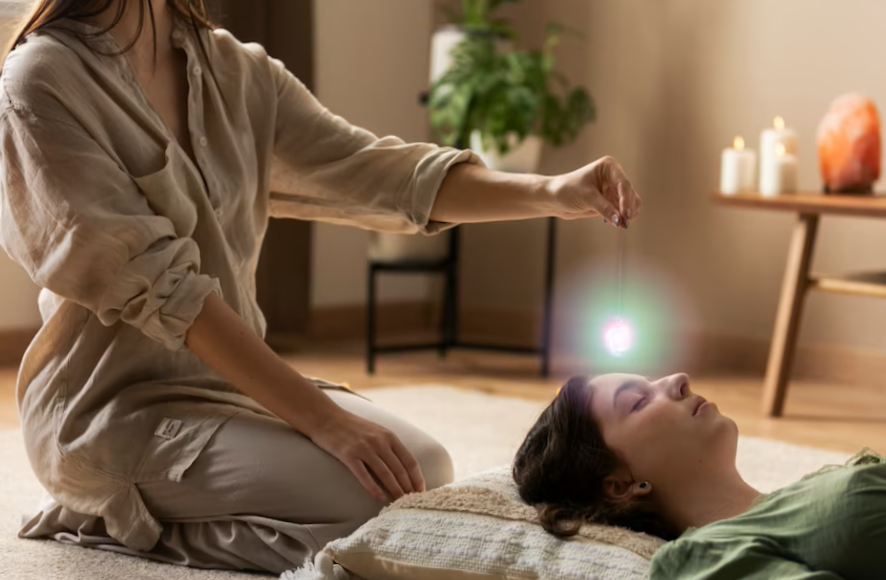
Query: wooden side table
{"x": 798, "y": 279}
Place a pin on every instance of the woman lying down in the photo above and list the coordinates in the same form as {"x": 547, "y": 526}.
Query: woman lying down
{"x": 653, "y": 457}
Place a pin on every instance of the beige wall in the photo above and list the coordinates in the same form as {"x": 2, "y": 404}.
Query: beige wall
{"x": 372, "y": 61}
{"x": 674, "y": 82}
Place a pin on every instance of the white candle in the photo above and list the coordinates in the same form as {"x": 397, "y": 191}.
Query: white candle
{"x": 783, "y": 176}
{"x": 738, "y": 169}
{"x": 770, "y": 139}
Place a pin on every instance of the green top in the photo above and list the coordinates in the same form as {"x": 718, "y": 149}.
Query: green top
{"x": 830, "y": 525}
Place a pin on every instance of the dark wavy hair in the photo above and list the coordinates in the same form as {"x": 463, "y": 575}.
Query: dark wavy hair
{"x": 561, "y": 467}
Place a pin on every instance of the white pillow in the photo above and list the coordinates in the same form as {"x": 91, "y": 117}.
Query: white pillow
{"x": 477, "y": 529}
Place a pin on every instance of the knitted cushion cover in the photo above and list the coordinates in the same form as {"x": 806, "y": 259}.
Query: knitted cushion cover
{"x": 477, "y": 529}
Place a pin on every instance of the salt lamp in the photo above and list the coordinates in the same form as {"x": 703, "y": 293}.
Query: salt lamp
{"x": 849, "y": 145}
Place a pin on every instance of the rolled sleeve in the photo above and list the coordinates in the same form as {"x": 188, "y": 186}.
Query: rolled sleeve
{"x": 429, "y": 175}
{"x": 165, "y": 307}
{"x": 326, "y": 169}
{"x": 81, "y": 228}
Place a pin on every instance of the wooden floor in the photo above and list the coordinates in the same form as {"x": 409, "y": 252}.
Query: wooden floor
{"x": 838, "y": 417}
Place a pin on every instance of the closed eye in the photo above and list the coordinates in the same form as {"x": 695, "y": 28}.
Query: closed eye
{"x": 638, "y": 404}
{"x": 637, "y": 386}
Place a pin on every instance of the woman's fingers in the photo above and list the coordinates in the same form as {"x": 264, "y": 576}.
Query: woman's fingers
{"x": 631, "y": 200}
{"x": 398, "y": 468}
{"x": 385, "y": 475}
{"x": 621, "y": 191}
{"x": 624, "y": 202}
{"x": 411, "y": 464}
{"x": 358, "y": 468}
{"x": 368, "y": 449}
{"x": 607, "y": 210}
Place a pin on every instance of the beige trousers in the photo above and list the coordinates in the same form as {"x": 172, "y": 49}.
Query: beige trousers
{"x": 260, "y": 496}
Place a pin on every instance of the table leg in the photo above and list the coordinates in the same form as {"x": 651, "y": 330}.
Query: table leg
{"x": 787, "y": 321}
{"x": 548, "y": 314}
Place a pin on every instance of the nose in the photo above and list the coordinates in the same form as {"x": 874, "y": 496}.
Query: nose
{"x": 680, "y": 386}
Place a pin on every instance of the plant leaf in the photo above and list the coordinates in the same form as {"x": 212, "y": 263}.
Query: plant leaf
{"x": 506, "y": 97}
{"x": 495, "y": 4}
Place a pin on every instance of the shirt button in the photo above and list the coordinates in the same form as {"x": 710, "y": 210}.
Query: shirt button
{"x": 197, "y": 71}
{"x": 219, "y": 212}
{"x": 176, "y": 35}
{"x": 204, "y": 141}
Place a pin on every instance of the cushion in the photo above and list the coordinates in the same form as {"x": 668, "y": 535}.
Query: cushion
{"x": 477, "y": 529}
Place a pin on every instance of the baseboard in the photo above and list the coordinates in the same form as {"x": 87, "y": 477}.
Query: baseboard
{"x": 397, "y": 319}
{"x": 840, "y": 365}
{"x": 706, "y": 354}
{"x": 699, "y": 353}
{"x": 349, "y": 322}
{"x": 13, "y": 344}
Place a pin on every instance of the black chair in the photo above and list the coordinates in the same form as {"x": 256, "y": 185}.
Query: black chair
{"x": 448, "y": 267}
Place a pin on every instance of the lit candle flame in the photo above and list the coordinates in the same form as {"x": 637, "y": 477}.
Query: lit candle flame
{"x": 780, "y": 150}
{"x": 779, "y": 123}
{"x": 738, "y": 144}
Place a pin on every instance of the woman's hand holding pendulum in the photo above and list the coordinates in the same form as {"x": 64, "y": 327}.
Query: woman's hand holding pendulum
{"x": 366, "y": 449}
{"x": 601, "y": 189}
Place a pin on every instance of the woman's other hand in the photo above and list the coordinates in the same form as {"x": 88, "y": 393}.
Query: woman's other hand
{"x": 224, "y": 342}
{"x": 366, "y": 449}
{"x": 601, "y": 189}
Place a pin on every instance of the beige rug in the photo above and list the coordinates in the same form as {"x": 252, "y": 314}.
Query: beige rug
{"x": 480, "y": 431}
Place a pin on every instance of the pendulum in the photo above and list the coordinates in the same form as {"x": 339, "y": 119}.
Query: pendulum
{"x": 618, "y": 335}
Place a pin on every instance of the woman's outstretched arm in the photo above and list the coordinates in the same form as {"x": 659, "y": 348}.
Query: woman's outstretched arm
{"x": 472, "y": 193}
{"x": 223, "y": 341}
{"x": 328, "y": 169}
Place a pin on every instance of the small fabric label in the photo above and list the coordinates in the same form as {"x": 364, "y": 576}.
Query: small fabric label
{"x": 168, "y": 428}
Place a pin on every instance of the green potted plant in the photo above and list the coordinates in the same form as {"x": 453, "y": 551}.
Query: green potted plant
{"x": 503, "y": 103}
{"x": 475, "y": 18}
{"x": 506, "y": 104}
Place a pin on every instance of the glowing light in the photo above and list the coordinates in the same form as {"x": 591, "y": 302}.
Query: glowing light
{"x": 655, "y": 305}
{"x": 780, "y": 150}
{"x": 738, "y": 144}
{"x": 618, "y": 337}
{"x": 779, "y": 123}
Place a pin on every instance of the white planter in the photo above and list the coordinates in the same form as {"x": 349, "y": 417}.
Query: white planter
{"x": 442, "y": 43}
{"x": 447, "y": 38}
{"x": 523, "y": 157}
{"x": 387, "y": 247}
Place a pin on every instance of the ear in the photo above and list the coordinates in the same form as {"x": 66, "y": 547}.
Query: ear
{"x": 620, "y": 486}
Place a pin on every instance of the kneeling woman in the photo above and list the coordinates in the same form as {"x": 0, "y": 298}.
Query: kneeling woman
{"x": 653, "y": 457}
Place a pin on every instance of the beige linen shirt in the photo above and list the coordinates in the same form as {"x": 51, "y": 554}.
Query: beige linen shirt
{"x": 127, "y": 235}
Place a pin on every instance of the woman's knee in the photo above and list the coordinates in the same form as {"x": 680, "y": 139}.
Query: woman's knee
{"x": 436, "y": 464}
{"x": 436, "y": 468}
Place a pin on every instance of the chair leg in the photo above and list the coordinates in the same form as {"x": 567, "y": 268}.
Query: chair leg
{"x": 445, "y": 314}
{"x": 448, "y": 318}
{"x": 787, "y": 321}
{"x": 452, "y": 339}
{"x": 370, "y": 319}
{"x": 547, "y": 321}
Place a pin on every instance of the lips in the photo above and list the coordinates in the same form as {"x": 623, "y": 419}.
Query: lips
{"x": 701, "y": 401}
